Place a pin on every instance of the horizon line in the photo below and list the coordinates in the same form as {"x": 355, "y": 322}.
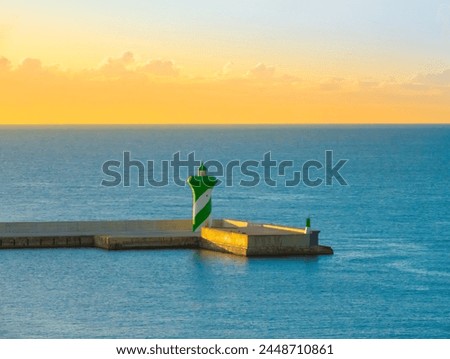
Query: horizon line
{"x": 224, "y": 124}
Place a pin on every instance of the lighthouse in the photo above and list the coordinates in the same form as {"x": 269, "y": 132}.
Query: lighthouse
{"x": 308, "y": 225}
{"x": 201, "y": 186}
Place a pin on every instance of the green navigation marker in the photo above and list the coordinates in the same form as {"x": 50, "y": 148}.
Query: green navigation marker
{"x": 201, "y": 187}
{"x": 308, "y": 225}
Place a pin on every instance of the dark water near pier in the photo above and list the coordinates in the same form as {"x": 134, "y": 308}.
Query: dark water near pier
{"x": 389, "y": 227}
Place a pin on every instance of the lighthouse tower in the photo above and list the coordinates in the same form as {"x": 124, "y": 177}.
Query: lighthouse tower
{"x": 308, "y": 225}
{"x": 201, "y": 186}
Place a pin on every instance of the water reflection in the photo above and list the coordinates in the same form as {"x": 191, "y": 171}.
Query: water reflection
{"x": 206, "y": 256}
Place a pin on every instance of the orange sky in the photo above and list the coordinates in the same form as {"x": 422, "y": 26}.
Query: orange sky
{"x": 157, "y": 92}
{"x": 279, "y": 63}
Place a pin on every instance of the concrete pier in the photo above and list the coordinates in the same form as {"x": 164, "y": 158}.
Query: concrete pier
{"x": 253, "y": 239}
{"x": 225, "y": 235}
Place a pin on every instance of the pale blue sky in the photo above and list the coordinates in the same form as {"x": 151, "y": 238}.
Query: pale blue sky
{"x": 380, "y": 37}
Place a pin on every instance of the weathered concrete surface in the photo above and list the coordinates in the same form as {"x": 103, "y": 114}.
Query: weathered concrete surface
{"x": 146, "y": 242}
{"x": 95, "y": 227}
{"x": 250, "y": 239}
{"x": 230, "y": 236}
{"x": 46, "y": 241}
{"x": 220, "y": 240}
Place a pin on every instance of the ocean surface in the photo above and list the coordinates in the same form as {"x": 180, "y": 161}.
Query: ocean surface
{"x": 389, "y": 227}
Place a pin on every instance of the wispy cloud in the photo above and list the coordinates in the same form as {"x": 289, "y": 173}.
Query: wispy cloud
{"x": 118, "y": 66}
{"x": 433, "y": 79}
{"x": 124, "y": 89}
{"x": 160, "y": 68}
{"x": 30, "y": 66}
{"x": 261, "y": 72}
{"x": 368, "y": 84}
{"x": 5, "y": 64}
{"x": 333, "y": 84}
{"x": 226, "y": 70}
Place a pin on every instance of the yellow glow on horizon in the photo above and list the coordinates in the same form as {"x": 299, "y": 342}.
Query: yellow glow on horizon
{"x": 126, "y": 90}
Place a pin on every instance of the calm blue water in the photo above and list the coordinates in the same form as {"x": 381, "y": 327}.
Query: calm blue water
{"x": 390, "y": 229}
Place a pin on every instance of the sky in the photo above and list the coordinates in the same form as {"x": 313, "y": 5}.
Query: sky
{"x": 224, "y": 62}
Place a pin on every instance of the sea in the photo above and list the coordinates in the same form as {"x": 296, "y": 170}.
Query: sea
{"x": 378, "y": 194}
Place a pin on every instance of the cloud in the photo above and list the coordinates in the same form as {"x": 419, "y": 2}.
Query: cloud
{"x": 126, "y": 66}
{"x": 333, "y": 84}
{"x": 124, "y": 90}
{"x": 164, "y": 68}
{"x": 30, "y": 65}
{"x": 33, "y": 68}
{"x": 433, "y": 79}
{"x": 261, "y": 72}
{"x": 30, "y": 68}
{"x": 226, "y": 69}
{"x": 368, "y": 84}
{"x": 119, "y": 65}
{"x": 5, "y": 64}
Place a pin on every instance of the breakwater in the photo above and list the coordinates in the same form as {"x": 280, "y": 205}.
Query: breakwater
{"x": 225, "y": 235}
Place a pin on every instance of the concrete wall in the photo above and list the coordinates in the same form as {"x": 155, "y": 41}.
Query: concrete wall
{"x": 224, "y": 241}
{"x": 246, "y": 239}
{"x": 46, "y": 242}
{"x": 231, "y": 236}
{"x": 95, "y": 227}
{"x": 314, "y": 238}
{"x": 120, "y": 243}
{"x": 276, "y": 244}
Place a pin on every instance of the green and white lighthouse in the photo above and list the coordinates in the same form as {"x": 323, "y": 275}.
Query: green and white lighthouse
{"x": 308, "y": 225}
{"x": 201, "y": 186}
